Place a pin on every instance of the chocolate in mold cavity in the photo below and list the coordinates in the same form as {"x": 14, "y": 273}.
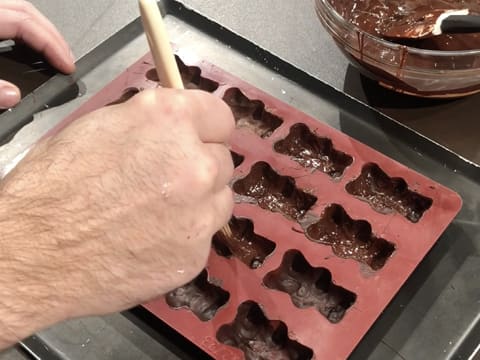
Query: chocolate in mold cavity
{"x": 260, "y": 338}
{"x": 244, "y": 244}
{"x": 350, "y": 239}
{"x": 127, "y": 94}
{"x": 251, "y": 114}
{"x": 313, "y": 151}
{"x": 237, "y": 158}
{"x": 274, "y": 192}
{"x": 310, "y": 287}
{"x": 199, "y": 296}
{"x": 191, "y": 77}
{"x": 386, "y": 194}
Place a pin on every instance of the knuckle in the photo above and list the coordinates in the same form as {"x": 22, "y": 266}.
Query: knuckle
{"x": 229, "y": 201}
{"x": 226, "y": 207}
{"x": 146, "y": 99}
{"x": 27, "y": 7}
{"x": 205, "y": 172}
{"x": 175, "y": 104}
{"x": 219, "y": 211}
{"x": 211, "y": 166}
{"x": 228, "y": 165}
{"x": 198, "y": 260}
{"x": 193, "y": 269}
{"x": 229, "y": 118}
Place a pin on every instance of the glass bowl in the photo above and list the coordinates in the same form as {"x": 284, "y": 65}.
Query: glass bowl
{"x": 418, "y": 72}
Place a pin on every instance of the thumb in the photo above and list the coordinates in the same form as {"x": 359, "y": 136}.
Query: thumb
{"x": 9, "y": 95}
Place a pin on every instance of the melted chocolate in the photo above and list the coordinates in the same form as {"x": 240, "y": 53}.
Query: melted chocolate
{"x": 191, "y": 77}
{"x": 274, "y": 192}
{"x": 199, "y": 296}
{"x": 127, "y": 94}
{"x": 260, "y": 338}
{"x": 309, "y": 286}
{"x": 251, "y": 114}
{"x": 386, "y": 194}
{"x": 237, "y": 158}
{"x": 350, "y": 239}
{"x": 244, "y": 244}
{"x": 379, "y": 17}
{"x": 312, "y": 151}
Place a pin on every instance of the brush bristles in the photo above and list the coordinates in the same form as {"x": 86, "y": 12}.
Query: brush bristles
{"x": 227, "y": 231}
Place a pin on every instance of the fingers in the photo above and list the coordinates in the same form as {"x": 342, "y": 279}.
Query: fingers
{"x": 223, "y": 208}
{"x": 214, "y": 120}
{"x": 9, "y": 95}
{"x": 211, "y": 119}
{"x": 20, "y": 20}
{"x": 210, "y": 116}
{"x": 224, "y": 164}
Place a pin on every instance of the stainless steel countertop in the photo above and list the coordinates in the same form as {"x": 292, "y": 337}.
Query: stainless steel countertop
{"x": 301, "y": 41}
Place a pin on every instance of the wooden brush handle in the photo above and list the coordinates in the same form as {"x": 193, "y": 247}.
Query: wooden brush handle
{"x": 160, "y": 45}
{"x": 162, "y": 53}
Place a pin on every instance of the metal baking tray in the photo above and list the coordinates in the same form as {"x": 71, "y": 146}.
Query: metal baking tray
{"x": 437, "y": 312}
{"x": 374, "y": 288}
{"x": 25, "y": 66}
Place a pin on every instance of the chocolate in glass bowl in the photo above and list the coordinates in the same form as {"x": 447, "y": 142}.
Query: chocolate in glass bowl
{"x": 437, "y": 66}
{"x": 377, "y": 17}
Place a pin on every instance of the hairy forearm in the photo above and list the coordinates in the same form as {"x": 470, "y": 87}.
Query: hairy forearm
{"x": 29, "y": 300}
{"x": 117, "y": 208}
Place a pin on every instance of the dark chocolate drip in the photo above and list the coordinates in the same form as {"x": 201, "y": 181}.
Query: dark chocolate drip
{"x": 350, "y": 239}
{"x": 199, "y": 296}
{"x": 386, "y": 194}
{"x": 191, "y": 77}
{"x": 244, "y": 244}
{"x": 274, "y": 192}
{"x": 379, "y": 17}
{"x": 309, "y": 286}
{"x": 251, "y": 114}
{"x": 237, "y": 158}
{"x": 127, "y": 94}
{"x": 312, "y": 151}
{"x": 260, "y": 338}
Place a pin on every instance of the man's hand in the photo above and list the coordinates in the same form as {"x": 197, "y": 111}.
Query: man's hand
{"x": 20, "y": 20}
{"x": 116, "y": 209}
